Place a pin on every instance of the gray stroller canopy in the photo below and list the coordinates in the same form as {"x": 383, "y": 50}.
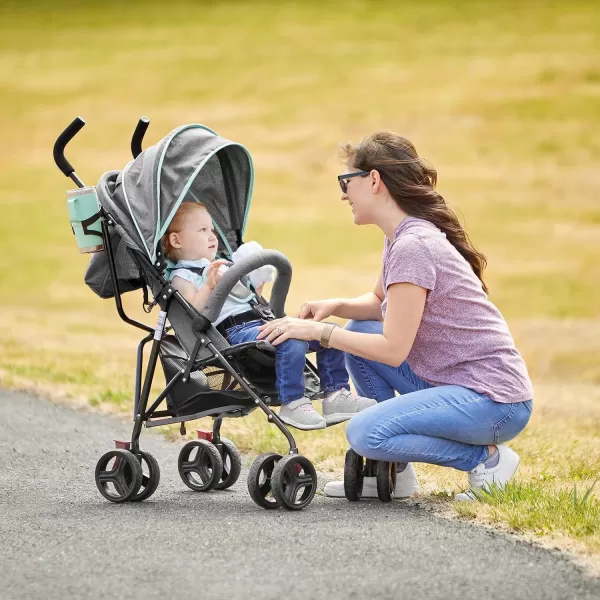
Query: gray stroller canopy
{"x": 192, "y": 163}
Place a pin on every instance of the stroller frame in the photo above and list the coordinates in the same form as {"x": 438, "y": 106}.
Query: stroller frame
{"x": 290, "y": 480}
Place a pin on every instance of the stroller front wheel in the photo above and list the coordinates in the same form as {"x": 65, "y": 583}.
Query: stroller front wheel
{"x": 232, "y": 464}
{"x": 260, "y": 479}
{"x": 149, "y": 481}
{"x": 294, "y": 482}
{"x": 200, "y": 465}
{"x": 354, "y": 475}
{"x": 385, "y": 476}
{"x": 118, "y": 475}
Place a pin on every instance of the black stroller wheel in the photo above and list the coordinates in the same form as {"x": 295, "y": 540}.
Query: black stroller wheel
{"x": 150, "y": 476}
{"x": 259, "y": 480}
{"x": 294, "y": 482}
{"x": 385, "y": 475}
{"x": 118, "y": 475}
{"x": 232, "y": 464}
{"x": 200, "y": 465}
{"x": 354, "y": 475}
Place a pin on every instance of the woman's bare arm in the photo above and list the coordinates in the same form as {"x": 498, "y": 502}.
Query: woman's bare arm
{"x": 405, "y": 305}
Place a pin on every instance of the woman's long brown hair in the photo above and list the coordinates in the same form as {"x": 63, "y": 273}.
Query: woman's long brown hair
{"x": 411, "y": 184}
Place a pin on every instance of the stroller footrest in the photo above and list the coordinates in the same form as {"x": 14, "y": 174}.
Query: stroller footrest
{"x": 238, "y": 349}
{"x": 203, "y": 434}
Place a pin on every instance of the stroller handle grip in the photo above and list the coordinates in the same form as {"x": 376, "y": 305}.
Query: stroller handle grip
{"x": 59, "y": 148}
{"x": 245, "y": 266}
{"x": 138, "y": 136}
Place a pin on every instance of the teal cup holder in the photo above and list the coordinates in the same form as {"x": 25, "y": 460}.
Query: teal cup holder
{"x": 84, "y": 214}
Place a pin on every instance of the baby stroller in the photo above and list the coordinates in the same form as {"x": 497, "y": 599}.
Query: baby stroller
{"x": 205, "y": 375}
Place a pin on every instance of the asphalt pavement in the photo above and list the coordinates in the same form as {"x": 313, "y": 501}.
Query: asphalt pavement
{"x": 60, "y": 539}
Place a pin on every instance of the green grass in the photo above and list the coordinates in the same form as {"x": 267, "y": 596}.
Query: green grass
{"x": 503, "y": 98}
{"x": 541, "y": 509}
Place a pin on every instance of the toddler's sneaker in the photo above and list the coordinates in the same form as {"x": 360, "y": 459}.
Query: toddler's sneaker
{"x": 406, "y": 484}
{"x": 342, "y": 405}
{"x": 506, "y": 463}
{"x": 301, "y": 414}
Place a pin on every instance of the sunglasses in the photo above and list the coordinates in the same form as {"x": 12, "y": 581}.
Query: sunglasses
{"x": 343, "y": 179}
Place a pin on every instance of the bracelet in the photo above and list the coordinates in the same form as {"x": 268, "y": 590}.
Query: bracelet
{"x": 326, "y": 335}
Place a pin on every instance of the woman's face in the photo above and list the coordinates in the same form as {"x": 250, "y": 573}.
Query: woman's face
{"x": 359, "y": 195}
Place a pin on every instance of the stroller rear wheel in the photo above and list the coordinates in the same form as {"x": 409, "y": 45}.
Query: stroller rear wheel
{"x": 232, "y": 464}
{"x": 294, "y": 482}
{"x": 118, "y": 475}
{"x": 200, "y": 465}
{"x": 385, "y": 476}
{"x": 354, "y": 475}
{"x": 149, "y": 480}
{"x": 259, "y": 480}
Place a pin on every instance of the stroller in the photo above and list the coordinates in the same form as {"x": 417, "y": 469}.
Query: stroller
{"x": 205, "y": 375}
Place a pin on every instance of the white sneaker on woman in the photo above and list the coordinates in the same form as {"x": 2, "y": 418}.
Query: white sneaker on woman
{"x": 406, "y": 485}
{"x": 482, "y": 478}
{"x": 343, "y": 405}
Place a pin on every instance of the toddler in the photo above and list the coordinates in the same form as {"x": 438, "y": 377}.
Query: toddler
{"x": 191, "y": 244}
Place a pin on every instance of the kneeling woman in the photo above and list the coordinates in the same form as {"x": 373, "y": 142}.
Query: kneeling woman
{"x": 427, "y": 331}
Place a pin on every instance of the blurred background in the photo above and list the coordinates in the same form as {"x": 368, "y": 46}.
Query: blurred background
{"x": 503, "y": 98}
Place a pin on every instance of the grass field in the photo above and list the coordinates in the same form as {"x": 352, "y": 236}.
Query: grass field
{"x": 503, "y": 98}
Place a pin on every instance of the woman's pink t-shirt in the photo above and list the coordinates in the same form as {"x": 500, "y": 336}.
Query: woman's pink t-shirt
{"x": 462, "y": 339}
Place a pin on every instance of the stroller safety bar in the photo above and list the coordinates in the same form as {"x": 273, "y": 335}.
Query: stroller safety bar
{"x": 245, "y": 266}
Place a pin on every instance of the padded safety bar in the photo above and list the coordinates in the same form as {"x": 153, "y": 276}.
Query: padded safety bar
{"x": 245, "y": 266}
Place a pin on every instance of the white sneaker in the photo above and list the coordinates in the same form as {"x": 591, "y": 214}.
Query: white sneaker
{"x": 406, "y": 485}
{"x": 301, "y": 414}
{"x": 499, "y": 476}
{"x": 342, "y": 405}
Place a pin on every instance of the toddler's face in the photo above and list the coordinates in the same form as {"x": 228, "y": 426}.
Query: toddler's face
{"x": 197, "y": 238}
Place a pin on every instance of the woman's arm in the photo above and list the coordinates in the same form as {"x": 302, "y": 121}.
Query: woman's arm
{"x": 405, "y": 305}
{"x": 362, "y": 308}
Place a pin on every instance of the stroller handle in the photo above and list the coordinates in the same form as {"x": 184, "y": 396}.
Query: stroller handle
{"x": 138, "y": 136}
{"x": 59, "y": 149}
{"x": 245, "y": 266}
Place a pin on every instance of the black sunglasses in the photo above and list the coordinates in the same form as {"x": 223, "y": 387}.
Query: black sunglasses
{"x": 343, "y": 179}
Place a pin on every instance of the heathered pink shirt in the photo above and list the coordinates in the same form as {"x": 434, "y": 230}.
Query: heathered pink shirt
{"x": 462, "y": 339}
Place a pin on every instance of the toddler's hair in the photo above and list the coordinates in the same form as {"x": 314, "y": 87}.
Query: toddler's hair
{"x": 176, "y": 225}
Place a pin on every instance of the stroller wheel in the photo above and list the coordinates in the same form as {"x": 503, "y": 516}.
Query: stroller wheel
{"x": 150, "y": 477}
{"x": 200, "y": 465}
{"x": 118, "y": 475}
{"x": 232, "y": 464}
{"x": 294, "y": 482}
{"x": 259, "y": 480}
{"x": 385, "y": 475}
{"x": 354, "y": 475}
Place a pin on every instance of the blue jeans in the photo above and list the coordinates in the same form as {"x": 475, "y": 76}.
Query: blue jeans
{"x": 290, "y": 361}
{"x": 447, "y": 425}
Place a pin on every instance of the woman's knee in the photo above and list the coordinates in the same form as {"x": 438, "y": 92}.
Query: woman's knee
{"x": 374, "y": 327}
{"x": 358, "y": 433}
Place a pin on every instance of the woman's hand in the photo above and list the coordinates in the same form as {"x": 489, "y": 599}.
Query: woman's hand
{"x": 279, "y": 330}
{"x": 212, "y": 273}
{"x": 317, "y": 310}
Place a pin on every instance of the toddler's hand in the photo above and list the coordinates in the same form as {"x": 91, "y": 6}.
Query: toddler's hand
{"x": 213, "y": 276}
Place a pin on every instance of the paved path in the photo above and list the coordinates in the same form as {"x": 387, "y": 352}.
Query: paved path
{"x": 60, "y": 539}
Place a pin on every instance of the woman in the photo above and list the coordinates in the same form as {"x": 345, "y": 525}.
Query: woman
{"x": 427, "y": 331}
